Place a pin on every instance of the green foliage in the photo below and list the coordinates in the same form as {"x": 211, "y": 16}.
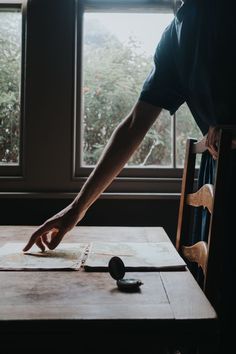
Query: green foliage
{"x": 113, "y": 76}
{"x": 10, "y": 59}
{"x": 185, "y": 128}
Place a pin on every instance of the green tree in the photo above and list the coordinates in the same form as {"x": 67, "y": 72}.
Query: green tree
{"x": 113, "y": 76}
{"x": 185, "y": 128}
{"x": 10, "y": 60}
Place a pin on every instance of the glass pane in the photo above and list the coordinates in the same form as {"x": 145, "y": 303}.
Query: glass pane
{"x": 117, "y": 56}
{"x": 185, "y": 128}
{"x": 10, "y": 74}
{"x": 157, "y": 146}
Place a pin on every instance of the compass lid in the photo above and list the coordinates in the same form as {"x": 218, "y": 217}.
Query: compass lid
{"x": 116, "y": 268}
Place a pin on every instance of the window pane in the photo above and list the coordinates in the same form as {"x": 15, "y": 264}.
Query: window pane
{"x": 185, "y": 128}
{"x": 117, "y": 56}
{"x": 157, "y": 146}
{"x": 10, "y": 72}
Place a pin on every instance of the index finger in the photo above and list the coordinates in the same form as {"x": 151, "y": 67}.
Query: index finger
{"x": 39, "y": 232}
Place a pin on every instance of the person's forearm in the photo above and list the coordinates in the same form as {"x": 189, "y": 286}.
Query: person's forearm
{"x": 118, "y": 151}
{"x": 122, "y": 144}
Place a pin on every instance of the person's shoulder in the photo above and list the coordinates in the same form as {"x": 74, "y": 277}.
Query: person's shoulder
{"x": 186, "y": 7}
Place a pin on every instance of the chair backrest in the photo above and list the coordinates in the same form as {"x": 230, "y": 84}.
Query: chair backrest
{"x": 208, "y": 254}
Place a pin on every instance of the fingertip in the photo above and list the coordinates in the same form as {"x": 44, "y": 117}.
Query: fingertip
{"x": 40, "y": 245}
{"x": 42, "y": 248}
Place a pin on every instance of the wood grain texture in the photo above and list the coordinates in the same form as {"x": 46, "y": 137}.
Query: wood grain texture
{"x": 167, "y": 309}
{"x": 80, "y": 296}
{"x": 197, "y": 253}
{"x": 93, "y": 233}
{"x": 186, "y": 297}
{"x": 203, "y": 197}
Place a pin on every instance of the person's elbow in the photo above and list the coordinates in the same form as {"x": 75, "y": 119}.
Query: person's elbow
{"x": 142, "y": 117}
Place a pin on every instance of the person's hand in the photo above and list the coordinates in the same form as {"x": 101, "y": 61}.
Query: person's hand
{"x": 52, "y": 231}
{"x": 212, "y": 141}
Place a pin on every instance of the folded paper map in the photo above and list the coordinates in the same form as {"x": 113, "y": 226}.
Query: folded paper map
{"x": 135, "y": 256}
{"x": 67, "y": 256}
{"x": 94, "y": 256}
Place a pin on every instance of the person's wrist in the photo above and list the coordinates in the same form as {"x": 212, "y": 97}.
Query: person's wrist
{"x": 78, "y": 210}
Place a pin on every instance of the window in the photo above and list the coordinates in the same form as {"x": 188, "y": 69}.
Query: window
{"x": 10, "y": 85}
{"x": 117, "y": 55}
{"x": 185, "y": 128}
{"x": 71, "y": 65}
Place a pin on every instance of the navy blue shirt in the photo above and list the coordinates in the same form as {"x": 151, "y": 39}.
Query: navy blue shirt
{"x": 195, "y": 63}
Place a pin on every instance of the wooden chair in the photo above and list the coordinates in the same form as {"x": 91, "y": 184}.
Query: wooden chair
{"x": 207, "y": 255}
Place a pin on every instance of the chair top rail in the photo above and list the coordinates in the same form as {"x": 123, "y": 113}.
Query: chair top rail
{"x": 203, "y": 197}
{"x": 200, "y": 146}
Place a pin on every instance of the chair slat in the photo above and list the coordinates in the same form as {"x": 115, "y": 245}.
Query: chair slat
{"x": 203, "y": 197}
{"x": 197, "y": 253}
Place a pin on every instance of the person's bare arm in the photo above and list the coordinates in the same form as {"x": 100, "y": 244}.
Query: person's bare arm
{"x": 122, "y": 144}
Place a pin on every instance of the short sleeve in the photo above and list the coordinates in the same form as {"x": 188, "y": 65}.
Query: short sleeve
{"x": 162, "y": 87}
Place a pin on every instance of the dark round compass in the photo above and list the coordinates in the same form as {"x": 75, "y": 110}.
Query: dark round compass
{"x": 116, "y": 269}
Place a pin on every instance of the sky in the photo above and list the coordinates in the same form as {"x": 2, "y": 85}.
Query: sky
{"x": 146, "y": 28}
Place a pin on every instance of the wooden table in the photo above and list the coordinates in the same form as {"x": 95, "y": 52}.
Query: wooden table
{"x": 65, "y": 307}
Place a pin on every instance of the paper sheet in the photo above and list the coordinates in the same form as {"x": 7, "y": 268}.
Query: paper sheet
{"x": 136, "y": 256}
{"x": 96, "y": 256}
{"x": 67, "y": 256}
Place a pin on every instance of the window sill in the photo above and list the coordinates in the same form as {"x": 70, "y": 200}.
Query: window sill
{"x": 70, "y": 195}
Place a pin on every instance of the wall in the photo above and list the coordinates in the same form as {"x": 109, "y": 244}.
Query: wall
{"x": 130, "y": 212}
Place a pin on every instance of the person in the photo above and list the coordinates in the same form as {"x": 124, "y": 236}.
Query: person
{"x": 194, "y": 63}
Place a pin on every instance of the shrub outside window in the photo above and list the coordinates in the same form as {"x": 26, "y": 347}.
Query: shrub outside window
{"x": 117, "y": 57}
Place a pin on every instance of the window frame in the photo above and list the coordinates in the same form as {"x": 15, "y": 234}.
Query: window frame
{"x": 50, "y": 168}
{"x": 144, "y": 175}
